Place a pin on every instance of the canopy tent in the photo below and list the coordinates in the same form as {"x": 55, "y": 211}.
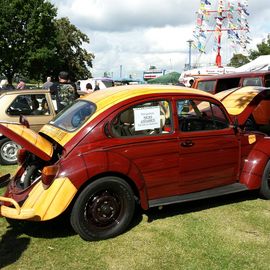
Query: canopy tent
{"x": 170, "y": 78}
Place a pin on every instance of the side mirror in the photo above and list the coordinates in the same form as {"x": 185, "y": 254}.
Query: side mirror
{"x": 23, "y": 120}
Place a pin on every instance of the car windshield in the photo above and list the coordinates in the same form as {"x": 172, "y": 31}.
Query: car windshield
{"x": 74, "y": 116}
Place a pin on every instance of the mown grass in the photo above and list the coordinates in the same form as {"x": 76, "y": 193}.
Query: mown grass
{"x": 230, "y": 232}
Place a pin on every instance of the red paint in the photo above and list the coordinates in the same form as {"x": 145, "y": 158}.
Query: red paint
{"x": 160, "y": 166}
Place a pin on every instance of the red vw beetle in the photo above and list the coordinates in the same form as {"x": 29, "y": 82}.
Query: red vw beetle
{"x": 146, "y": 145}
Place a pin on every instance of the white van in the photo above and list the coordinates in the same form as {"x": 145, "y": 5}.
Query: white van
{"x": 103, "y": 83}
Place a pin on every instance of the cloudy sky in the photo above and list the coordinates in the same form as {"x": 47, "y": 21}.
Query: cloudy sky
{"x": 135, "y": 34}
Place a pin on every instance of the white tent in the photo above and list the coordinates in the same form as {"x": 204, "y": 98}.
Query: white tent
{"x": 260, "y": 63}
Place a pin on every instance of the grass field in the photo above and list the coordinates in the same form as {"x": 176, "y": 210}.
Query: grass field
{"x": 230, "y": 232}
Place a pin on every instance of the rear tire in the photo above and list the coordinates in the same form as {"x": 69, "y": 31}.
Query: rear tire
{"x": 265, "y": 185}
{"x": 104, "y": 209}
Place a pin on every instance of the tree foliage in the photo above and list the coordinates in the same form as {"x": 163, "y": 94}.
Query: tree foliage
{"x": 238, "y": 60}
{"x": 71, "y": 54}
{"x": 34, "y": 44}
{"x": 262, "y": 49}
{"x": 24, "y": 29}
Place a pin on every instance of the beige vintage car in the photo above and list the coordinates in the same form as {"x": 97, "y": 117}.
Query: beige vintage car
{"x": 36, "y": 105}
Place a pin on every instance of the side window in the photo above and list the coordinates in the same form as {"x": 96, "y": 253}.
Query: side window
{"x": 207, "y": 86}
{"x": 256, "y": 81}
{"x": 267, "y": 80}
{"x": 29, "y": 105}
{"x": 197, "y": 115}
{"x": 228, "y": 83}
{"x": 145, "y": 119}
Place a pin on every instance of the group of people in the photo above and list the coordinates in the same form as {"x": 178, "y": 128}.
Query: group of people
{"x": 5, "y": 85}
{"x": 64, "y": 90}
{"x": 89, "y": 87}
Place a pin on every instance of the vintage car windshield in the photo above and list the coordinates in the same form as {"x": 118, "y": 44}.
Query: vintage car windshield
{"x": 74, "y": 116}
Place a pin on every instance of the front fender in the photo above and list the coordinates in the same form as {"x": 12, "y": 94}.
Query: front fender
{"x": 255, "y": 163}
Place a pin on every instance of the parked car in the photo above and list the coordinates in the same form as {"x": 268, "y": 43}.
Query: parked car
{"x": 217, "y": 83}
{"x": 37, "y": 105}
{"x": 143, "y": 144}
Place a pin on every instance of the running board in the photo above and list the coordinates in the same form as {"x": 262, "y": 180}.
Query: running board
{"x": 214, "y": 192}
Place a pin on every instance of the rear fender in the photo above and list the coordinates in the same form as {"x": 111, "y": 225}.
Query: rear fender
{"x": 82, "y": 165}
{"x": 111, "y": 162}
{"x": 255, "y": 163}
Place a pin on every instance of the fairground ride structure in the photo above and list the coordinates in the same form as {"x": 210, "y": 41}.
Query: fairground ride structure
{"x": 230, "y": 17}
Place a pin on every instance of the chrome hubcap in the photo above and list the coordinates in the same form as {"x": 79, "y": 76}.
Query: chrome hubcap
{"x": 9, "y": 151}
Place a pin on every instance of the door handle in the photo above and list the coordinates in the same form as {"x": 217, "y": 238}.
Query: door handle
{"x": 187, "y": 143}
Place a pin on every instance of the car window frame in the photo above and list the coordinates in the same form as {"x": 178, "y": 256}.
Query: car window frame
{"x": 109, "y": 130}
{"x": 31, "y": 114}
{"x": 220, "y": 106}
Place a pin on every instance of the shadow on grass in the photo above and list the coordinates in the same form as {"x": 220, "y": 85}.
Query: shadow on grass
{"x": 199, "y": 205}
{"x": 13, "y": 244}
{"x": 11, "y": 247}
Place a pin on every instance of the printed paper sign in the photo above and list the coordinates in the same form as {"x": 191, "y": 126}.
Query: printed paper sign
{"x": 146, "y": 118}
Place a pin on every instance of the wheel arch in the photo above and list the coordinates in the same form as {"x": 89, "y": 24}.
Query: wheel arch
{"x": 254, "y": 164}
{"x": 140, "y": 194}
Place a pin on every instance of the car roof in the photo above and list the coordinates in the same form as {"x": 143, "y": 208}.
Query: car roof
{"x": 233, "y": 75}
{"x": 113, "y": 95}
{"x": 25, "y": 92}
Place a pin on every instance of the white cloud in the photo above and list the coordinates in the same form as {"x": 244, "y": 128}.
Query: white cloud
{"x": 139, "y": 33}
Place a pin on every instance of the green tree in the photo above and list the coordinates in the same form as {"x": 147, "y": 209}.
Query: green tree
{"x": 27, "y": 35}
{"x": 262, "y": 49}
{"x": 34, "y": 44}
{"x": 72, "y": 57}
{"x": 238, "y": 60}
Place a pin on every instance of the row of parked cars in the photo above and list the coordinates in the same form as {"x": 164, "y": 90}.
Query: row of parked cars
{"x": 142, "y": 145}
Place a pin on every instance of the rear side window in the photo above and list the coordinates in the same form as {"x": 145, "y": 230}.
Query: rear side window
{"x": 145, "y": 119}
{"x": 29, "y": 104}
{"x": 207, "y": 86}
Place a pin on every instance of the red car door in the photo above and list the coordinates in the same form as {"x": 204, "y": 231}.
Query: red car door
{"x": 143, "y": 134}
{"x": 208, "y": 147}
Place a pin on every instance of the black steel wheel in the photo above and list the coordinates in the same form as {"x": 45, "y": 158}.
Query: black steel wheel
{"x": 265, "y": 185}
{"x": 104, "y": 209}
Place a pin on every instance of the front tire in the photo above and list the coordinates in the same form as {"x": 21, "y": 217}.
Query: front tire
{"x": 8, "y": 152}
{"x": 104, "y": 209}
{"x": 265, "y": 185}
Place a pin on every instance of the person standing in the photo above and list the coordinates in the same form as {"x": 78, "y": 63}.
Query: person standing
{"x": 21, "y": 85}
{"x": 89, "y": 88}
{"x": 65, "y": 92}
{"x": 48, "y": 83}
{"x": 96, "y": 86}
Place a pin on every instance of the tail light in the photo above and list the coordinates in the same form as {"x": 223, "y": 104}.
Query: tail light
{"x": 48, "y": 174}
{"x": 21, "y": 155}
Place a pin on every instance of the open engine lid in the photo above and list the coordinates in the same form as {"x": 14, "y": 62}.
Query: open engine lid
{"x": 241, "y": 102}
{"x": 28, "y": 139}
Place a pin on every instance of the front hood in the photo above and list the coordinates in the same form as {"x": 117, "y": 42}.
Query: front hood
{"x": 28, "y": 139}
{"x": 241, "y": 102}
